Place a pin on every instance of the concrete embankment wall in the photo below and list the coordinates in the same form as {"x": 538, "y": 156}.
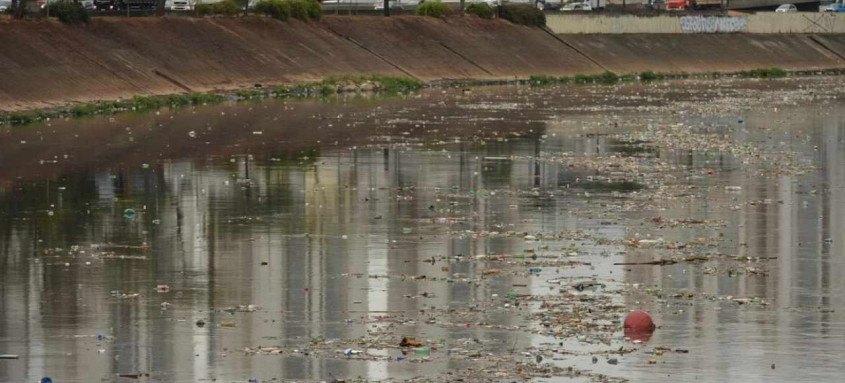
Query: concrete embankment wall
{"x": 767, "y": 22}
{"x": 46, "y": 63}
{"x": 696, "y": 53}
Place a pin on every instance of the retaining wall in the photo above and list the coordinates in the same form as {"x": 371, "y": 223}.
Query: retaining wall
{"x": 46, "y": 63}
{"x": 768, "y": 22}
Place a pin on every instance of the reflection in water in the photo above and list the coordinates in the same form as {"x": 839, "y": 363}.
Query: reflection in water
{"x": 369, "y": 240}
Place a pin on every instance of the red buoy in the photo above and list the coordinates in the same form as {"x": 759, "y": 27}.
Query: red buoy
{"x": 639, "y": 320}
{"x": 638, "y": 326}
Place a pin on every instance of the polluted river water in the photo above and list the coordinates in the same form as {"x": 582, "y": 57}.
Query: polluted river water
{"x": 503, "y": 232}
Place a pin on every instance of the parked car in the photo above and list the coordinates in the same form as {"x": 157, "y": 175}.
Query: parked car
{"x": 786, "y": 8}
{"x": 676, "y": 5}
{"x": 133, "y": 5}
{"x": 658, "y": 5}
{"x": 546, "y": 5}
{"x": 576, "y": 6}
{"x": 835, "y": 7}
{"x": 179, "y": 5}
{"x": 394, "y": 4}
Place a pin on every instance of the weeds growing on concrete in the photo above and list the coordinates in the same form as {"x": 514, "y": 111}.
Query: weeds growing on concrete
{"x": 352, "y": 84}
{"x": 523, "y": 14}
{"x": 650, "y": 76}
{"x": 283, "y": 9}
{"x": 434, "y": 9}
{"x": 608, "y": 78}
{"x": 763, "y": 73}
{"x": 225, "y": 7}
{"x": 69, "y": 12}
{"x": 482, "y": 10}
{"x": 330, "y": 86}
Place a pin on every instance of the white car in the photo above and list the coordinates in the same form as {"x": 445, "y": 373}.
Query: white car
{"x": 491, "y": 3}
{"x": 179, "y": 5}
{"x": 784, "y": 8}
{"x": 394, "y": 4}
{"x": 576, "y": 6}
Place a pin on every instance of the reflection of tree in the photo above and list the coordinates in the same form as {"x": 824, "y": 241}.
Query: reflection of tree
{"x": 52, "y": 211}
{"x": 496, "y": 172}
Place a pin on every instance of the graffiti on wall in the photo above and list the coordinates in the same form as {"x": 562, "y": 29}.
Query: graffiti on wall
{"x": 701, "y": 24}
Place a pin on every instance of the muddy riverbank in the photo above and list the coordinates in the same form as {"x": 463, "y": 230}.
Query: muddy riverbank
{"x": 46, "y": 64}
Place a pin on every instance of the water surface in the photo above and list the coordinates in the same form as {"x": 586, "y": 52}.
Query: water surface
{"x": 289, "y": 232}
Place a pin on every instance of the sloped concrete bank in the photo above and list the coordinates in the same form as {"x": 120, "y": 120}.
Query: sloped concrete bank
{"x": 702, "y": 53}
{"x": 47, "y": 64}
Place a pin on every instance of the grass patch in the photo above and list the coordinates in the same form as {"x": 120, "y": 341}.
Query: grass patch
{"x": 606, "y": 78}
{"x": 330, "y": 86}
{"x": 434, "y": 8}
{"x": 350, "y": 84}
{"x": 225, "y": 8}
{"x": 69, "y": 12}
{"x": 609, "y": 78}
{"x": 763, "y": 73}
{"x": 482, "y": 10}
{"x": 523, "y": 14}
{"x": 650, "y": 76}
{"x": 304, "y": 10}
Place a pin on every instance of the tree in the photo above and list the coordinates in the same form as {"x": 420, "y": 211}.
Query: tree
{"x": 18, "y": 8}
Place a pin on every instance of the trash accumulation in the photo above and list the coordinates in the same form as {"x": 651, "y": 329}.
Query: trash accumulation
{"x": 603, "y": 234}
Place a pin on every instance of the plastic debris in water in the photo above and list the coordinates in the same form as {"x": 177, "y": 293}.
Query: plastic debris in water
{"x": 129, "y": 213}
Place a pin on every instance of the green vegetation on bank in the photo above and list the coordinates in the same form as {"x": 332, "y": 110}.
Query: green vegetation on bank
{"x": 283, "y": 9}
{"x": 481, "y": 10}
{"x": 225, "y": 8}
{"x": 359, "y": 84}
{"x": 523, "y": 14}
{"x": 69, "y": 12}
{"x": 434, "y": 8}
{"x": 650, "y": 76}
{"x": 763, "y": 73}
{"x": 331, "y": 86}
{"x": 608, "y": 77}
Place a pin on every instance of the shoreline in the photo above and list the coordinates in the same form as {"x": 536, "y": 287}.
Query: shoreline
{"x": 348, "y": 85}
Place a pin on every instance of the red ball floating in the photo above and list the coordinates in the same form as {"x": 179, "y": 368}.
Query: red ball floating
{"x": 639, "y": 321}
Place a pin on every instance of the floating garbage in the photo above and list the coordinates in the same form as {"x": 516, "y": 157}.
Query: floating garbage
{"x": 422, "y": 351}
{"x": 409, "y": 342}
